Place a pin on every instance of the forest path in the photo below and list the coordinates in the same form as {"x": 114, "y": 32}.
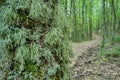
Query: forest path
{"x": 87, "y": 64}
{"x": 80, "y": 48}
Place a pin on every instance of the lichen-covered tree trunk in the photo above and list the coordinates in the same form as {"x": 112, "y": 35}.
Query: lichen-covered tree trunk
{"x": 33, "y": 40}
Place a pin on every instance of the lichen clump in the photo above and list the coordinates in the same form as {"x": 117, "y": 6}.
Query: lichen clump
{"x": 33, "y": 40}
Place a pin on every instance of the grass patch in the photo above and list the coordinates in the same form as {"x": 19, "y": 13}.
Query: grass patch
{"x": 111, "y": 51}
{"x": 117, "y": 38}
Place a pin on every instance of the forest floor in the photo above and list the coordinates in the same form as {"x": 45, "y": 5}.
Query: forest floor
{"x": 87, "y": 64}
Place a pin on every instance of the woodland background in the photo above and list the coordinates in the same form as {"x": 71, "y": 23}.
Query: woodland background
{"x": 36, "y": 35}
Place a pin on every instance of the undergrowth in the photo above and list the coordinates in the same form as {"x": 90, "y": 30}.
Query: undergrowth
{"x": 117, "y": 38}
{"x": 111, "y": 51}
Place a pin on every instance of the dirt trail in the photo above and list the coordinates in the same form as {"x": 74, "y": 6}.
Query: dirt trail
{"x": 80, "y": 48}
{"x": 87, "y": 64}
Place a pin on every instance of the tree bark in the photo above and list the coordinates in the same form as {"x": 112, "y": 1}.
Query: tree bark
{"x": 66, "y": 2}
{"x": 103, "y": 23}
{"x": 90, "y": 20}
{"x": 114, "y": 23}
{"x": 83, "y": 21}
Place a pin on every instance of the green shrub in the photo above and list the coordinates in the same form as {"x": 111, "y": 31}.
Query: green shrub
{"x": 111, "y": 52}
{"x": 117, "y": 38}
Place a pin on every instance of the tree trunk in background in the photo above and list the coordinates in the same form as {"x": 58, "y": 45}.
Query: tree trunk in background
{"x": 103, "y": 23}
{"x": 71, "y": 7}
{"x": 118, "y": 17}
{"x": 111, "y": 20}
{"x": 86, "y": 22}
{"x": 90, "y": 19}
{"x": 74, "y": 14}
{"x": 119, "y": 24}
{"x": 99, "y": 25}
{"x": 83, "y": 20}
{"x": 108, "y": 23}
{"x": 66, "y": 2}
{"x": 114, "y": 23}
{"x": 79, "y": 22}
{"x": 106, "y": 20}
{"x": 74, "y": 20}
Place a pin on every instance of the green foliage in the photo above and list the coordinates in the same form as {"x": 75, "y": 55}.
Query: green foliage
{"x": 113, "y": 51}
{"x": 53, "y": 69}
{"x": 33, "y": 41}
{"x": 117, "y": 39}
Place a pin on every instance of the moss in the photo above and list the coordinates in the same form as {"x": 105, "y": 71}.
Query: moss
{"x": 35, "y": 33}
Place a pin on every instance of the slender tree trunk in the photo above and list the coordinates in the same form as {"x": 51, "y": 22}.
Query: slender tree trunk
{"x": 118, "y": 24}
{"x": 86, "y": 23}
{"x": 75, "y": 21}
{"x": 103, "y": 23}
{"x": 111, "y": 21}
{"x": 117, "y": 18}
{"x": 83, "y": 12}
{"x": 80, "y": 18}
{"x": 71, "y": 7}
{"x": 114, "y": 23}
{"x": 66, "y": 2}
{"x": 106, "y": 20}
{"x": 90, "y": 19}
{"x": 74, "y": 14}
